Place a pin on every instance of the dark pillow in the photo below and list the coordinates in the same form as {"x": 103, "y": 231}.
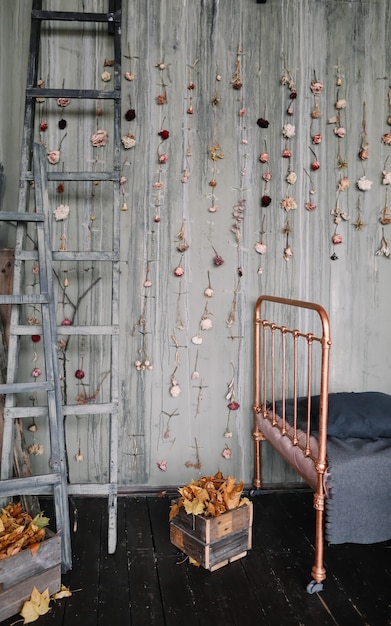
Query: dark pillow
{"x": 350, "y": 414}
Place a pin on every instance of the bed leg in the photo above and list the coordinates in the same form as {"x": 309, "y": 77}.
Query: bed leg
{"x": 258, "y": 437}
{"x": 318, "y": 570}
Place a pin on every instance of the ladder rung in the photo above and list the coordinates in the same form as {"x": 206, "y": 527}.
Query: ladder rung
{"x": 39, "y": 298}
{"x": 25, "y": 387}
{"x": 15, "y": 412}
{"x": 81, "y": 94}
{"x": 89, "y": 489}
{"x": 28, "y": 485}
{"x": 88, "y": 330}
{"x": 68, "y": 16}
{"x": 14, "y": 216}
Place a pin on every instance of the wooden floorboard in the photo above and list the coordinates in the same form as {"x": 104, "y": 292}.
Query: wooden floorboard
{"x": 149, "y": 581}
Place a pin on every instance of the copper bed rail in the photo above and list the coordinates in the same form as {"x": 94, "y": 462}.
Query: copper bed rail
{"x": 267, "y": 380}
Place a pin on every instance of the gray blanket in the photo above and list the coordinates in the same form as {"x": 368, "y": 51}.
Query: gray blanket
{"x": 359, "y": 507}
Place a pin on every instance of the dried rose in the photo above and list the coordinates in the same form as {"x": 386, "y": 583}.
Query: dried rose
{"x": 164, "y": 134}
{"x": 175, "y": 390}
{"x": 62, "y": 124}
{"x": 264, "y": 157}
{"x": 79, "y": 457}
{"x": 363, "y": 154}
{"x": 130, "y": 115}
{"x": 265, "y": 200}
{"x": 43, "y": 126}
{"x": 128, "y": 141}
{"x": 213, "y": 209}
{"x": 316, "y": 86}
{"x": 293, "y": 95}
{"x": 386, "y": 139}
{"x": 337, "y": 239}
{"x": 290, "y": 110}
{"x": 179, "y": 271}
{"x": 100, "y": 138}
{"x": 242, "y": 112}
{"x": 260, "y": 247}
{"x": 36, "y": 449}
{"x": 162, "y": 465}
{"x": 63, "y": 102}
{"x": 66, "y": 322}
{"x": 315, "y": 165}
{"x": 233, "y": 406}
{"x": 197, "y": 340}
{"x": 35, "y": 338}
{"x": 53, "y": 156}
{"x": 316, "y": 139}
{"x": 226, "y": 453}
{"x": 163, "y": 158}
{"x": 79, "y": 374}
{"x": 291, "y": 178}
{"x": 262, "y": 123}
{"x": 36, "y": 372}
{"x": 310, "y": 206}
{"x": 286, "y": 153}
{"x": 340, "y": 131}
{"x": 213, "y": 183}
{"x": 158, "y": 185}
{"x": 288, "y": 253}
{"x": 267, "y": 176}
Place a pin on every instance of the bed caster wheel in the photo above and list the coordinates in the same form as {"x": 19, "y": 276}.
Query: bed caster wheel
{"x": 314, "y": 587}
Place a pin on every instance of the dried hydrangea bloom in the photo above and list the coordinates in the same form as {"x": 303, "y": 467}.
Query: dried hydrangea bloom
{"x": 341, "y": 104}
{"x": 289, "y": 131}
{"x": 288, "y": 203}
{"x": 128, "y": 141}
{"x": 61, "y": 212}
{"x": 344, "y": 183}
{"x": 100, "y": 138}
{"x": 364, "y": 184}
{"x": 53, "y": 156}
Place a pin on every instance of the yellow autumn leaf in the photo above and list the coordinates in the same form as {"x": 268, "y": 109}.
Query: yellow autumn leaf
{"x": 194, "y": 506}
{"x": 2, "y": 527}
{"x": 193, "y": 562}
{"x": 36, "y": 606}
{"x": 64, "y": 592}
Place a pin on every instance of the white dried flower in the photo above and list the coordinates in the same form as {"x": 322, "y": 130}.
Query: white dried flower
{"x": 61, "y": 212}
{"x": 79, "y": 457}
{"x": 208, "y": 292}
{"x": 288, "y": 253}
{"x": 206, "y": 323}
{"x": 195, "y": 375}
{"x": 384, "y": 250}
{"x": 341, "y": 104}
{"x": 340, "y": 132}
{"x": 291, "y": 178}
{"x": 36, "y": 448}
{"x": 260, "y": 247}
{"x": 364, "y": 184}
{"x": 128, "y": 141}
{"x": 289, "y": 131}
{"x": 106, "y": 76}
{"x": 129, "y": 76}
{"x": 197, "y": 340}
{"x": 332, "y": 120}
{"x": 99, "y": 139}
{"x": 175, "y": 389}
{"x": 386, "y": 178}
{"x": 288, "y": 203}
{"x": 344, "y": 184}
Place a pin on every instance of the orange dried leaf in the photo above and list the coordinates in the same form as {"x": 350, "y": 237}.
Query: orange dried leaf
{"x": 35, "y": 547}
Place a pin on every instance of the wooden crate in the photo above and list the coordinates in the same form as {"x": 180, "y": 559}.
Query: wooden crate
{"x": 214, "y": 541}
{"x": 19, "y": 574}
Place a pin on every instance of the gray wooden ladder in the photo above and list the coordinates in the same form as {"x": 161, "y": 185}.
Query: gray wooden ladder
{"x": 27, "y": 178}
{"x": 55, "y": 482}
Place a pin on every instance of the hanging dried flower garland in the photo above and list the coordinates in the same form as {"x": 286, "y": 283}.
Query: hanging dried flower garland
{"x": 385, "y": 216}
{"x": 343, "y": 183}
{"x": 288, "y": 203}
{"x": 188, "y": 130}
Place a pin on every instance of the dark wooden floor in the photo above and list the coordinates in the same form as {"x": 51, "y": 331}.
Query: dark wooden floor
{"x": 149, "y": 582}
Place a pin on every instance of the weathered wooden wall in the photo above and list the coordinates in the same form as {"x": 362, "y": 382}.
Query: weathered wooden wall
{"x": 309, "y": 38}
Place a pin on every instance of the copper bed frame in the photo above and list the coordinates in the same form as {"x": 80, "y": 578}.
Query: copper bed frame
{"x": 281, "y": 354}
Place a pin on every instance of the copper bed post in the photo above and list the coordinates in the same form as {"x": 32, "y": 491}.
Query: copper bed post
{"x": 318, "y": 571}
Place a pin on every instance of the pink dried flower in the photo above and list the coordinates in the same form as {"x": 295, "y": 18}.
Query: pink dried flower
{"x": 317, "y": 139}
{"x": 337, "y": 239}
{"x": 316, "y": 86}
{"x": 36, "y": 372}
{"x": 218, "y": 260}
{"x": 226, "y": 453}
{"x": 63, "y": 102}
{"x": 267, "y": 176}
{"x": 99, "y": 139}
{"x": 264, "y": 157}
{"x": 386, "y": 139}
{"x": 66, "y": 322}
{"x": 53, "y": 156}
{"x": 162, "y": 465}
{"x": 286, "y": 153}
{"x": 179, "y": 271}
{"x": 340, "y": 132}
{"x": 43, "y": 126}
{"x": 363, "y": 154}
{"x": 242, "y": 113}
{"x": 233, "y": 406}
{"x": 310, "y": 206}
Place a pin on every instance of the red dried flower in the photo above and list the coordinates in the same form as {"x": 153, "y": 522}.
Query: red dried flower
{"x": 191, "y": 85}
{"x": 66, "y": 322}
{"x": 286, "y": 153}
{"x": 35, "y": 338}
{"x": 62, "y": 124}
{"x": 315, "y": 165}
{"x": 43, "y": 126}
{"x": 164, "y": 134}
{"x": 130, "y": 115}
{"x": 218, "y": 260}
{"x": 233, "y": 406}
{"x": 293, "y": 95}
{"x": 265, "y": 200}
{"x": 79, "y": 374}
{"x": 262, "y": 123}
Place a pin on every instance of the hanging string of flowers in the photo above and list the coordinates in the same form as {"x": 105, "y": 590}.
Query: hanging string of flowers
{"x": 316, "y": 88}
{"x": 385, "y": 216}
{"x": 288, "y": 203}
{"x": 343, "y": 183}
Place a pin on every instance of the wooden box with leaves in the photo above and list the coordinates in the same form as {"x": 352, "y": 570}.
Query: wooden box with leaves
{"x": 211, "y": 522}
{"x": 33, "y": 560}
